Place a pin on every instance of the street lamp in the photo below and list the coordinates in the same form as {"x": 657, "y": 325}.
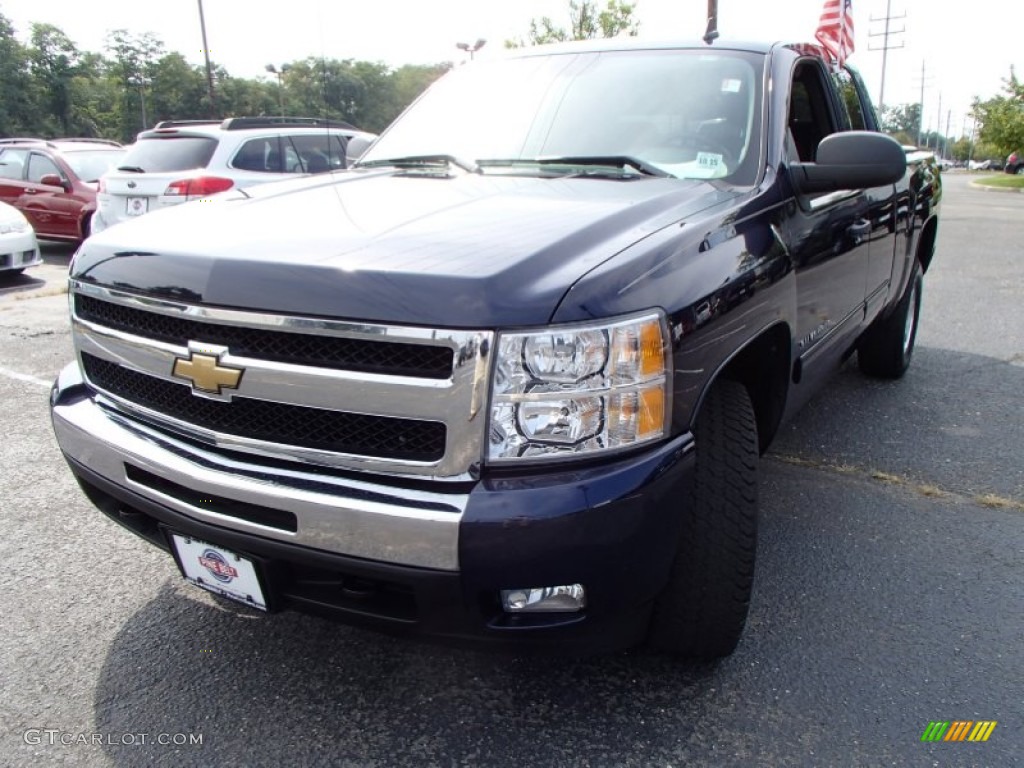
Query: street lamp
{"x": 471, "y": 48}
{"x": 280, "y": 83}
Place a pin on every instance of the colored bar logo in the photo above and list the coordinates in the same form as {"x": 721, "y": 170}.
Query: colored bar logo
{"x": 959, "y": 730}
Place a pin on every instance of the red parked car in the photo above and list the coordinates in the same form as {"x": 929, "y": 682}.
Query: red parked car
{"x": 54, "y": 182}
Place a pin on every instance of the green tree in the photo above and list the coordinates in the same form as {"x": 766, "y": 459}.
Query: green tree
{"x": 586, "y": 22}
{"x": 134, "y": 58}
{"x": 15, "y": 85}
{"x": 409, "y": 82}
{"x": 178, "y": 89}
{"x": 902, "y": 119}
{"x": 54, "y": 62}
{"x": 95, "y": 98}
{"x": 1001, "y": 119}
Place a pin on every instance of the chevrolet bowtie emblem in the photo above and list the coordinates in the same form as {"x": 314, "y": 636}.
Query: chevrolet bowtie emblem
{"x": 205, "y": 373}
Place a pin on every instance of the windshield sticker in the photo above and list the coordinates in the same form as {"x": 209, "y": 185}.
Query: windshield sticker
{"x": 731, "y": 86}
{"x": 709, "y": 161}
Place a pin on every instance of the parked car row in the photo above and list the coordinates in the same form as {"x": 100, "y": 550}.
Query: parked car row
{"x": 69, "y": 188}
{"x": 54, "y": 182}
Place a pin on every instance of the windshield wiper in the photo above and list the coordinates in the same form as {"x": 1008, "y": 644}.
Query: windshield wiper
{"x": 417, "y": 161}
{"x": 131, "y": 168}
{"x": 584, "y": 161}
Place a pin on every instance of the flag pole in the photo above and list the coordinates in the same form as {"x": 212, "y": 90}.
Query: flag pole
{"x": 712, "y": 31}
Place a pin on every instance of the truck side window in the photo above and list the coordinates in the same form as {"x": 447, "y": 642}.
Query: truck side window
{"x": 810, "y": 118}
{"x": 851, "y": 110}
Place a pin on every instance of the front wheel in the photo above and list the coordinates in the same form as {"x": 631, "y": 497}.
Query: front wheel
{"x": 703, "y": 608}
{"x": 887, "y": 346}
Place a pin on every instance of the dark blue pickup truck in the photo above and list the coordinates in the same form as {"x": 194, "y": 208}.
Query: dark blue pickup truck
{"x": 507, "y": 380}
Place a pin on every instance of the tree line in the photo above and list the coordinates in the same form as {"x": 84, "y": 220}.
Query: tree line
{"x": 52, "y": 88}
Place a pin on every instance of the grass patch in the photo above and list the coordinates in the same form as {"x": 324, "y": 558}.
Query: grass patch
{"x": 1001, "y": 181}
{"x": 41, "y": 293}
{"x": 992, "y": 501}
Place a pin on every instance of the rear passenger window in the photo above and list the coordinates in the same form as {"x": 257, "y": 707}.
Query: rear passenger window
{"x": 262, "y": 155}
{"x": 320, "y": 152}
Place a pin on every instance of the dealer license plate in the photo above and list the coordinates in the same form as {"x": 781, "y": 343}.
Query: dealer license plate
{"x": 136, "y": 206}
{"x": 219, "y": 570}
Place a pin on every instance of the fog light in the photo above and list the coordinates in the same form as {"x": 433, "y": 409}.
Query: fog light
{"x": 564, "y": 599}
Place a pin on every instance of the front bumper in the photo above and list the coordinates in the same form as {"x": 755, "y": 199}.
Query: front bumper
{"x": 420, "y": 557}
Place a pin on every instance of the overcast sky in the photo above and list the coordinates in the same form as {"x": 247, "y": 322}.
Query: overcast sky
{"x": 964, "y": 57}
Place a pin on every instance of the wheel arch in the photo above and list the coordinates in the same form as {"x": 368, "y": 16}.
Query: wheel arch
{"x": 926, "y": 243}
{"x": 761, "y": 365}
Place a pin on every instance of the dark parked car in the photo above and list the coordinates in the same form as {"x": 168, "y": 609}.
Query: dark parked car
{"x": 1015, "y": 164}
{"x": 54, "y": 182}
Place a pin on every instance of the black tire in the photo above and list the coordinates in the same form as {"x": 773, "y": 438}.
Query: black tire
{"x": 703, "y": 608}
{"x": 887, "y": 346}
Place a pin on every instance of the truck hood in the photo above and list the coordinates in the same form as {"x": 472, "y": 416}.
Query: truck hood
{"x": 466, "y": 251}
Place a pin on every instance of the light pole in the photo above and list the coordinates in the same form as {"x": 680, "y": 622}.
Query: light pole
{"x": 209, "y": 69}
{"x": 280, "y": 82}
{"x": 471, "y": 48}
{"x": 140, "y": 81}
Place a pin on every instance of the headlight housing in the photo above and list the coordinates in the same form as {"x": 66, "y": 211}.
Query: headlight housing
{"x": 570, "y": 391}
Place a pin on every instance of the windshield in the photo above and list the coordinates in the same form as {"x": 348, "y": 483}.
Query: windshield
{"x": 689, "y": 113}
{"x": 89, "y": 165}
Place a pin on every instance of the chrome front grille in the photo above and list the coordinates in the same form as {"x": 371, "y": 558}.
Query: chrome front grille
{"x": 398, "y": 400}
{"x": 334, "y": 431}
{"x": 342, "y": 353}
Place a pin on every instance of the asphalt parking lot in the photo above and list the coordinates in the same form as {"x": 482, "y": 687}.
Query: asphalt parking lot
{"x": 889, "y": 591}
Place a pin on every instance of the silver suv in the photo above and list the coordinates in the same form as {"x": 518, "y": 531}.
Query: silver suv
{"x": 182, "y": 160}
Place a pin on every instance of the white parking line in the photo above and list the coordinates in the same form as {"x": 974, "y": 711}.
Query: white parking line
{"x": 25, "y": 377}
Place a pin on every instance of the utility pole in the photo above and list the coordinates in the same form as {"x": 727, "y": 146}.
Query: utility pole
{"x": 885, "y": 47}
{"x": 949, "y": 116}
{"x": 920, "y": 111}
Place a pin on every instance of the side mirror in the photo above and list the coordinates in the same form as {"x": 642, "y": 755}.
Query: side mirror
{"x": 851, "y": 160}
{"x": 53, "y": 180}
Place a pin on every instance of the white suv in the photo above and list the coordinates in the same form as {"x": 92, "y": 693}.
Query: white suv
{"x": 182, "y": 160}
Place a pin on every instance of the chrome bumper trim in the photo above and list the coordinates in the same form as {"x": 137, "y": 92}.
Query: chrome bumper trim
{"x": 397, "y": 525}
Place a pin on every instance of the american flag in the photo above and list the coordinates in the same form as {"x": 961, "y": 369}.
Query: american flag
{"x": 835, "y": 29}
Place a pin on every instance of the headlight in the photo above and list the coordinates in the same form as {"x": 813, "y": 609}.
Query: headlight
{"x": 572, "y": 391}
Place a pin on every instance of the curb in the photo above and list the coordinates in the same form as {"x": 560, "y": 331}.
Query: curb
{"x": 987, "y": 188}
